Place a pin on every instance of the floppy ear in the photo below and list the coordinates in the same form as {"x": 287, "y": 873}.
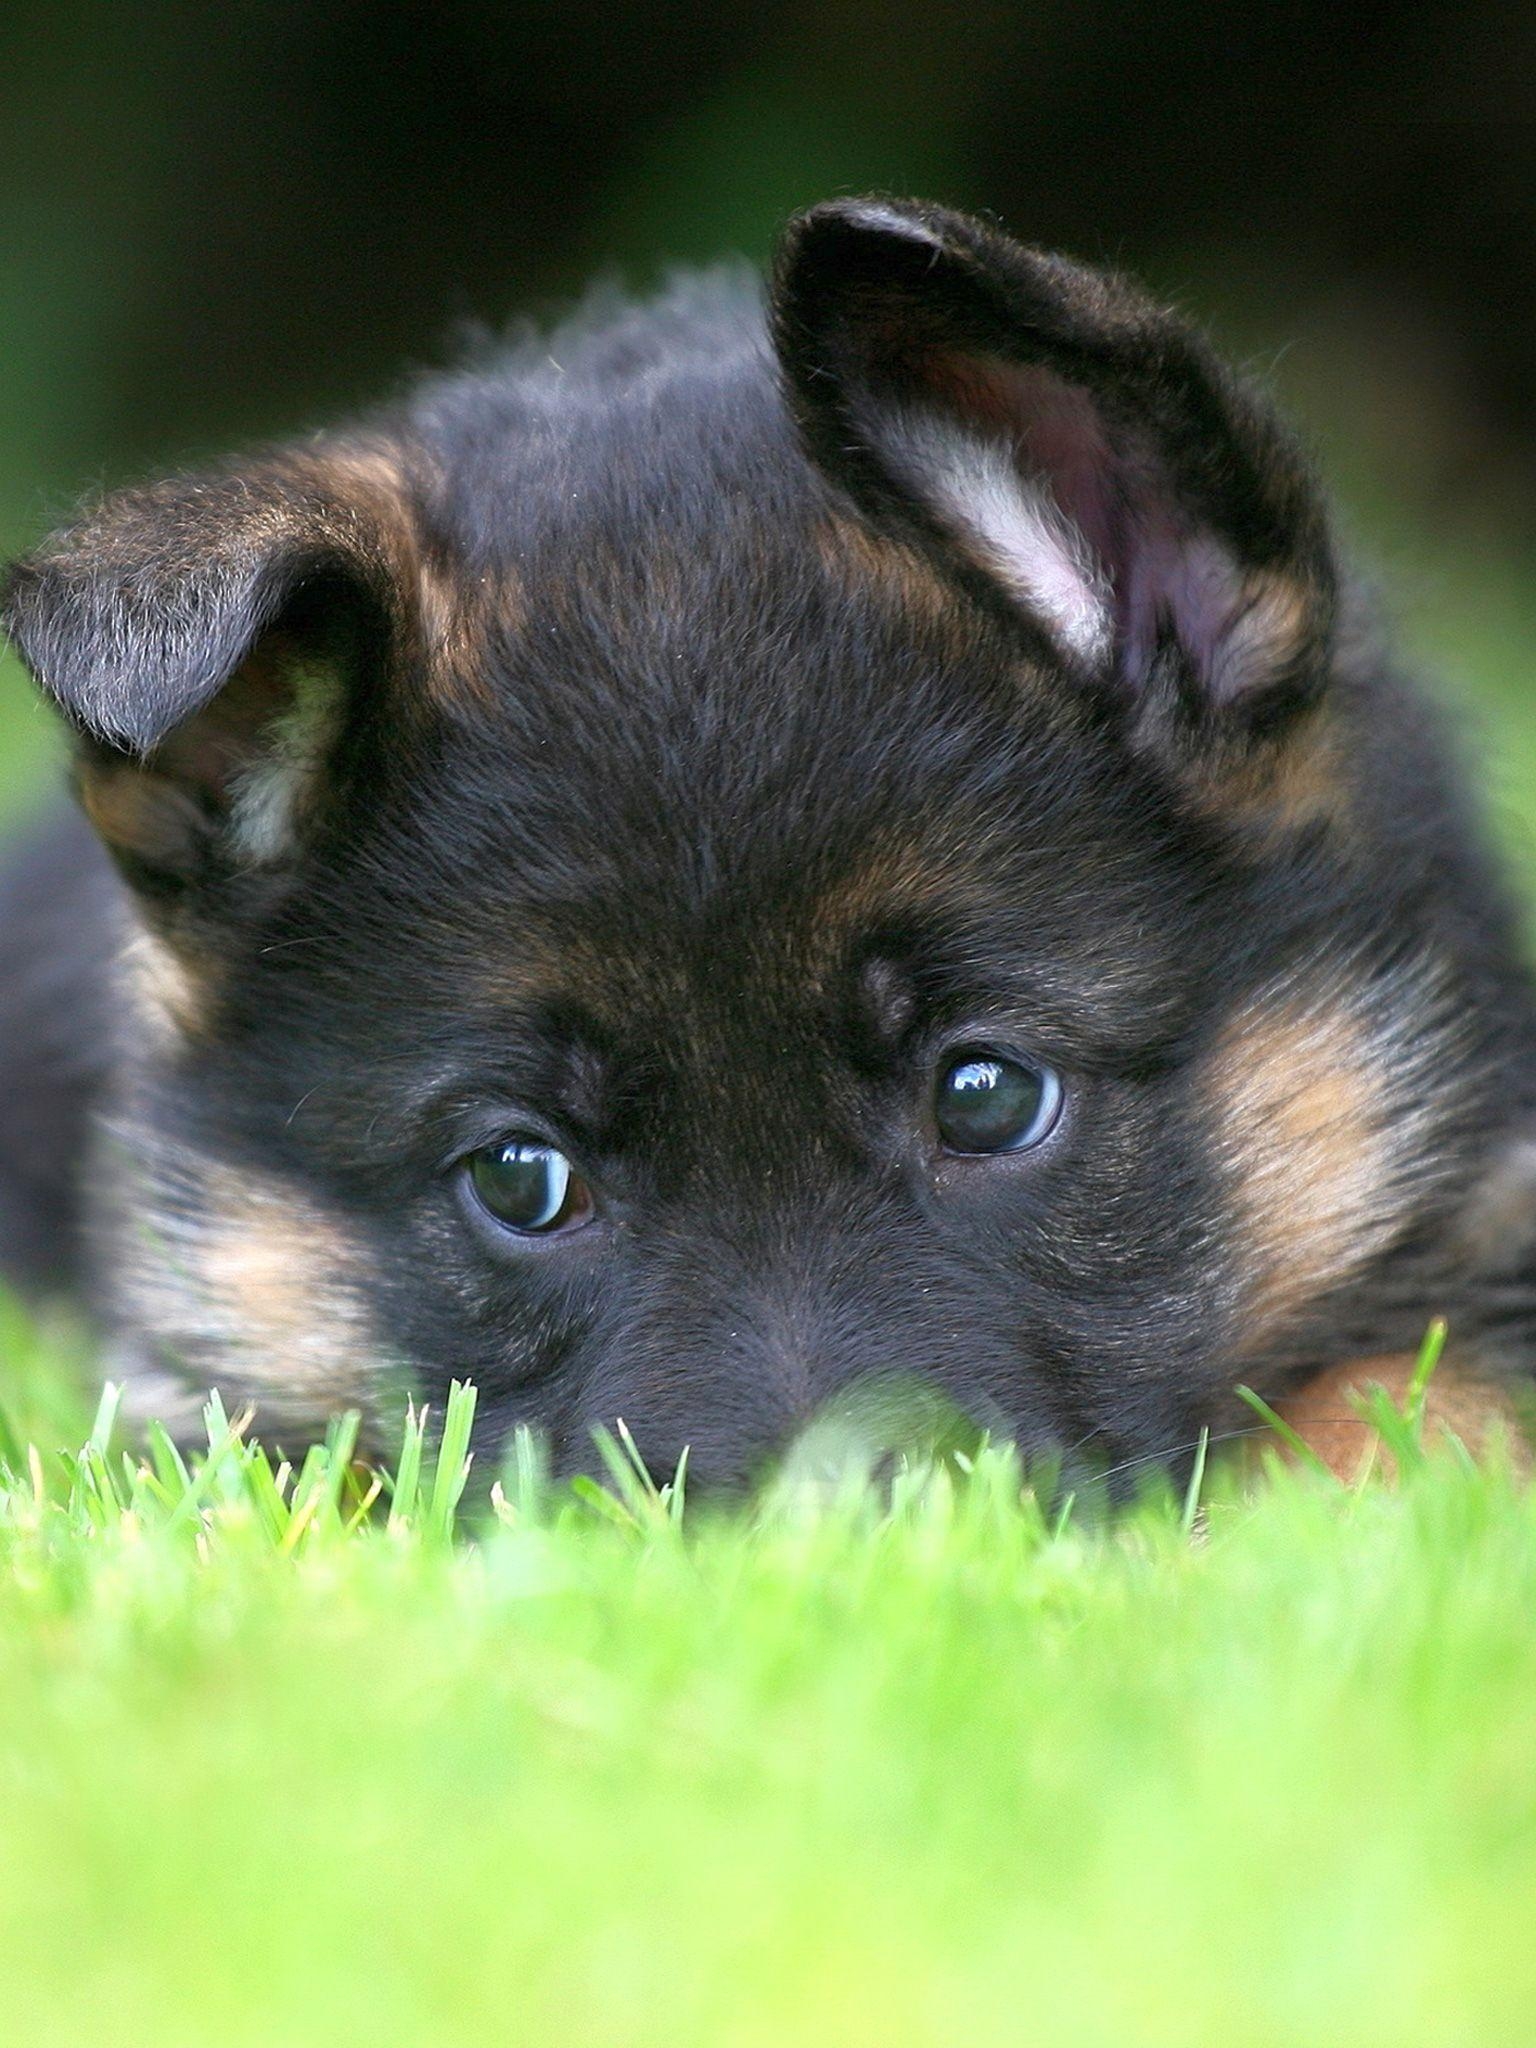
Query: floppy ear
{"x": 1071, "y": 450}
{"x": 207, "y": 639}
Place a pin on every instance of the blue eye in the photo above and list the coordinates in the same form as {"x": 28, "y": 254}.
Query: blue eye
{"x": 528, "y": 1187}
{"x": 986, "y": 1103}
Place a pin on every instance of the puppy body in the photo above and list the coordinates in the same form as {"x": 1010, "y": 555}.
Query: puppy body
{"x": 677, "y": 745}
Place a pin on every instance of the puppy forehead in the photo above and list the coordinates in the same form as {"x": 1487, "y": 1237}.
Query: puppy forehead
{"x": 642, "y": 957}
{"x": 639, "y": 499}
{"x": 707, "y": 738}
{"x": 652, "y": 609}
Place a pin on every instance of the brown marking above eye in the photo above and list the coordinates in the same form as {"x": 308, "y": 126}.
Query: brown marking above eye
{"x": 579, "y": 1080}
{"x": 887, "y": 998}
{"x": 894, "y": 879}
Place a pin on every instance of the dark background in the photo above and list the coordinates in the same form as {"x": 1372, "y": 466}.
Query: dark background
{"x": 220, "y": 221}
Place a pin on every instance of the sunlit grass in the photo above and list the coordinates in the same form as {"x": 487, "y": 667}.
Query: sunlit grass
{"x": 316, "y": 1753}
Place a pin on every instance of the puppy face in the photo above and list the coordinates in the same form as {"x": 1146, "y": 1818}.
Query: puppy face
{"x": 686, "y": 884}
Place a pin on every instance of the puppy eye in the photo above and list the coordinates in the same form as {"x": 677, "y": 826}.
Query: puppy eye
{"x": 528, "y": 1187}
{"x": 986, "y": 1103}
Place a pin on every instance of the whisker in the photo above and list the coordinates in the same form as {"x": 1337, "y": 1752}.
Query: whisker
{"x": 1166, "y": 1456}
{"x": 1227, "y": 1436}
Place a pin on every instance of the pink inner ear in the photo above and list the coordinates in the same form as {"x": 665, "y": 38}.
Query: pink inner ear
{"x": 1062, "y": 441}
{"x": 1058, "y": 437}
{"x": 1158, "y": 570}
{"x": 1189, "y": 583}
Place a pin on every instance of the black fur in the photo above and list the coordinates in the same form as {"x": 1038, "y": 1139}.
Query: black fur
{"x": 684, "y": 783}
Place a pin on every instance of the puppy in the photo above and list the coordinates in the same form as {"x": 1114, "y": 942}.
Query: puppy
{"x": 761, "y": 844}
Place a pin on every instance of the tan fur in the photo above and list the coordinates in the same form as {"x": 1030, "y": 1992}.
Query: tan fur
{"x": 451, "y": 612}
{"x": 369, "y": 500}
{"x": 251, "y": 1269}
{"x": 373, "y": 507}
{"x": 166, "y": 989}
{"x": 1275, "y": 624}
{"x": 899, "y": 875}
{"x": 1460, "y": 1403}
{"x": 454, "y": 618}
{"x": 903, "y": 579}
{"x": 1316, "y": 1101}
{"x": 1299, "y": 1120}
{"x": 141, "y": 814}
{"x": 1268, "y": 794}
{"x": 1302, "y": 786}
{"x": 1271, "y": 791}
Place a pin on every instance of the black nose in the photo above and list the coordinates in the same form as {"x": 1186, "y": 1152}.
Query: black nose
{"x": 741, "y": 1347}
{"x": 726, "y": 1435}
{"x": 719, "y": 1441}
{"x": 728, "y": 1390}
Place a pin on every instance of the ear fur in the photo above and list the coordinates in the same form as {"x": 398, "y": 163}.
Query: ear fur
{"x": 1073, "y": 452}
{"x": 201, "y": 636}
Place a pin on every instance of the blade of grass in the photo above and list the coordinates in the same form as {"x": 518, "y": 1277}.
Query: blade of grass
{"x": 168, "y": 1464}
{"x": 1423, "y": 1372}
{"x": 676, "y": 1493}
{"x": 105, "y": 1421}
{"x": 340, "y": 1448}
{"x": 407, "y": 1482}
{"x": 203, "y": 1481}
{"x": 604, "y": 1503}
{"x": 453, "y": 1461}
{"x": 1196, "y": 1483}
{"x": 266, "y": 1494}
{"x": 1296, "y": 1444}
{"x": 525, "y": 1479}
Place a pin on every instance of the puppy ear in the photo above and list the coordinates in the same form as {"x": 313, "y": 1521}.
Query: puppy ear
{"x": 1068, "y": 447}
{"x": 207, "y": 638}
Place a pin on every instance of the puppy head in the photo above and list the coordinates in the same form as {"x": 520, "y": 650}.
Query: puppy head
{"x": 694, "y": 876}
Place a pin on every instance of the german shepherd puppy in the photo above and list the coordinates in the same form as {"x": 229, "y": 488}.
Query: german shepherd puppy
{"x": 757, "y": 844}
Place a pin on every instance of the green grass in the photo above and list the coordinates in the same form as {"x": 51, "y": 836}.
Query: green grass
{"x": 939, "y": 1765}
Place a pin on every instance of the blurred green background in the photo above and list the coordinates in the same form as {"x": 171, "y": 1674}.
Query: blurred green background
{"x": 221, "y": 223}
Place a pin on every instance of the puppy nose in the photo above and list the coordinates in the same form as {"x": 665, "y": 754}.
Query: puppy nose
{"x": 788, "y": 1371}
{"x": 731, "y": 1408}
